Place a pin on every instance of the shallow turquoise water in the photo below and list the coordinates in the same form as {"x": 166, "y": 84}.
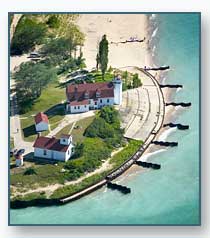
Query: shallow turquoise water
{"x": 167, "y": 196}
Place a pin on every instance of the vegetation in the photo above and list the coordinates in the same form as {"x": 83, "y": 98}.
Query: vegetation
{"x": 28, "y": 34}
{"x": 102, "y": 57}
{"x": 36, "y": 29}
{"x": 30, "y": 196}
{"x": 68, "y": 190}
{"x": 31, "y": 79}
{"x": 136, "y": 81}
{"x": 130, "y": 80}
{"x": 126, "y": 153}
{"x": 71, "y": 189}
{"x": 107, "y": 127}
{"x": 52, "y": 106}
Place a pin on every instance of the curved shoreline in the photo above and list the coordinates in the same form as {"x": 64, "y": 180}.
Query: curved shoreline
{"x": 116, "y": 172}
{"x": 127, "y": 164}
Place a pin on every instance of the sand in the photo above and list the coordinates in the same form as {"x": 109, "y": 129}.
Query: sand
{"x": 118, "y": 28}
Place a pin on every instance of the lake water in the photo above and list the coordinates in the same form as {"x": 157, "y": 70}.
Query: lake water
{"x": 171, "y": 194}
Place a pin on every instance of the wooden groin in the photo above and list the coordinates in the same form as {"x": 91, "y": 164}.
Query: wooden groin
{"x": 165, "y": 143}
{"x": 178, "y": 125}
{"x": 148, "y": 165}
{"x": 157, "y": 68}
{"x": 182, "y": 104}
{"x": 171, "y": 86}
{"x": 121, "y": 188}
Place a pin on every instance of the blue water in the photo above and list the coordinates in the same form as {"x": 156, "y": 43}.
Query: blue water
{"x": 166, "y": 196}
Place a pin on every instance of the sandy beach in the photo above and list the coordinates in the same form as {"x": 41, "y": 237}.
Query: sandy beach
{"x": 120, "y": 55}
{"x": 118, "y": 28}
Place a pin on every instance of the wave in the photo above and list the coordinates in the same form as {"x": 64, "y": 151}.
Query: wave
{"x": 153, "y": 16}
{"x": 154, "y": 32}
{"x": 178, "y": 89}
{"x": 146, "y": 156}
{"x": 166, "y": 133}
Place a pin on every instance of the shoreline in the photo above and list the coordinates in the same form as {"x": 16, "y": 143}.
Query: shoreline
{"x": 116, "y": 173}
{"x": 145, "y": 60}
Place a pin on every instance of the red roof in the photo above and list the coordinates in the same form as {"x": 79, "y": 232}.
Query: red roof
{"x": 76, "y": 93}
{"x": 43, "y": 142}
{"x": 78, "y": 103}
{"x": 41, "y": 117}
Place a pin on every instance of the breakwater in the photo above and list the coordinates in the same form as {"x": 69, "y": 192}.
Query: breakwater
{"x": 171, "y": 86}
{"x": 131, "y": 40}
{"x": 165, "y": 143}
{"x": 121, "y": 188}
{"x": 157, "y": 68}
{"x": 178, "y": 125}
{"x": 148, "y": 165}
{"x": 182, "y": 104}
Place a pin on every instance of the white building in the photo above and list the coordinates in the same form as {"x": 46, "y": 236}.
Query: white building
{"x": 55, "y": 149}
{"x": 84, "y": 97}
{"x": 19, "y": 161}
{"x": 41, "y": 122}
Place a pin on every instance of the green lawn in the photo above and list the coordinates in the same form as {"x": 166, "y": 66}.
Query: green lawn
{"x": 50, "y": 102}
{"x": 78, "y": 130}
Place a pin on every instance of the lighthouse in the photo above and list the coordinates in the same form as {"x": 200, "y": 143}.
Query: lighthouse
{"x": 117, "y": 82}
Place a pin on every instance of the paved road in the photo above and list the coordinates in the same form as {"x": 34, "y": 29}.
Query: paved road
{"x": 15, "y": 128}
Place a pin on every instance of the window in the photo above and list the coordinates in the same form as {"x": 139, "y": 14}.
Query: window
{"x": 100, "y": 100}
{"x": 68, "y": 152}
{"x": 45, "y": 152}
{"x": 64, "y": 140}
{"x": 95, "y": 103}
{"x": 75, "y": 107}
{"x": 107, "y": 100}
{"x": 78, "y": 107}
{"x": 85, "y": 106}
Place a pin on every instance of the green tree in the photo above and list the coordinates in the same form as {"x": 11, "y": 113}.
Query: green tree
{"x": 53, "y": 22}
{"x": 136, "y": 81}
{"x": 57, "y": 50}
{"x": 27, "y": 35}
{"x": 30, "y": 80}
{"x": 103, "y": 55}
{"x": 79, "y": 150}
{"x": 109, "y": 114}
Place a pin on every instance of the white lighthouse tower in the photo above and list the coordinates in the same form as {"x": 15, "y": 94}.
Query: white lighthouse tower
{"x": 117, "y": 90}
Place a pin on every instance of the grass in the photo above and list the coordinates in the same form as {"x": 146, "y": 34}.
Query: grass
{"x": 78, "y": 130}
{"x": 71, "y": 189}
{"x": 97, "y": 76}
{"x": 44, "y": 175}
{"x": 65, "y": 130}
{"x": 11, "y": 143}
{"x": 50, "y": 174}
{"x": 126, "y": 153}
{"x": 50, "y": 102}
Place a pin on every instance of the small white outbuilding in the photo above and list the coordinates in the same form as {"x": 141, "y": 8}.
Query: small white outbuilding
{"x": 41, "y": 122}
{"x": 55, "y": 149}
